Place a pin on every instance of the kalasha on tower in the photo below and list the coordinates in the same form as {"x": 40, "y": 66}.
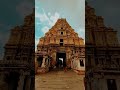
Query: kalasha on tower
{"x": 60, "y": 47}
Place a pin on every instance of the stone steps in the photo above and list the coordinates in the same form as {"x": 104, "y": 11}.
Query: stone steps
{"x": 59, "y": 80}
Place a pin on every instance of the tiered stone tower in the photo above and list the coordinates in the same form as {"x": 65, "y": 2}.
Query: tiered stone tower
{"x": 17, "y": 67}
{"x": 102, "y": 54}
{"x": 61, "y": 41}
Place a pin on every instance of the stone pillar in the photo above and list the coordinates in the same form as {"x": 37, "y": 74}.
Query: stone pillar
{"x": 87, "y": 86}
{"x": 54, "y": 56}
{"x": 103, "y": 84}
{"x": 2, "y": 76}
{"x": 21, "y": 82}
{"x": 75, "y": 63}
{"x": 43, "y": 62}
{"x": 46, "y": 63}
{"x": 3, "y": 84}
{"x": 95, "y": 85}
{"x": 72, "y": 63}
{"x": 118, "y": 83}
{"x": 28, "y": 83}
{"x": 66, "y": 57}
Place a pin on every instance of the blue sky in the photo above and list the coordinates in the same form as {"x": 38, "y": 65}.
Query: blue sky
{"x": 48, "y": 11}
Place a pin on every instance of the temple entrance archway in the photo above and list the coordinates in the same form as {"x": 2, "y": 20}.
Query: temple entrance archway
{"x": 61, "y": 60}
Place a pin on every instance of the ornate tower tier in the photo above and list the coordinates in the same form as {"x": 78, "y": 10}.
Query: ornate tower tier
{"x": 61, "y": 41}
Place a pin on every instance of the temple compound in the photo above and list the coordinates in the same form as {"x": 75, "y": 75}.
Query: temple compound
{"x": 17, "y": 66}
{"x": 60, "y": 47}
{"x": 102, "y": 54}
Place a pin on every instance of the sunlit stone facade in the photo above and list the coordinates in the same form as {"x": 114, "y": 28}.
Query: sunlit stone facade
{"x": 61, "y": 41}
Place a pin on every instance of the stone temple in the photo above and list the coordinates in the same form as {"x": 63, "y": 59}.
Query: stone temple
{"x": 17, "y": 66}
{"x": 60, "y": 47}
{"x": 102, "y": 62}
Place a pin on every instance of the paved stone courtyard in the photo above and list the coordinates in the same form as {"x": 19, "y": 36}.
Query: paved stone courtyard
{"x": 59, "y": 80}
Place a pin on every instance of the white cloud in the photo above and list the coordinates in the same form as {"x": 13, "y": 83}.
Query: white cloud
{"x": 54, "y": 18}
{"x": 45, "y": 29}
{"x": 81, "y": 32}
{"x": 38, "y": 23}
{"x": 41, "y": 16}
{"x": 49, "y": 13}
{"x": 48, "y": 20}
{"x": 36, "y": 42}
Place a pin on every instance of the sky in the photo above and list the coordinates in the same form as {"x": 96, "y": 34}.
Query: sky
{"x": 48, "y": 11}
{"x": 12, "y": 14}
{"x": 109, "y": 10}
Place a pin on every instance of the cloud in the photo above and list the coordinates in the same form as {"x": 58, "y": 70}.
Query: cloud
{"x": 36, "y": 42}
{"x": 41, "y": 16}
{"x": 48, "y": 11}
{"x": 47, "y": 20}
{"x": 45, "y": 29}
{"x": 44, "y": 21}
{"x": 54, "y": 18}
{"x": 81, "y": 32}
{"x": 74, "y": 12}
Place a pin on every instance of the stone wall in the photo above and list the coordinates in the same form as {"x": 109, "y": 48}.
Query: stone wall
{"x": 102, "y": 53}
{"x": 62, "y": 38}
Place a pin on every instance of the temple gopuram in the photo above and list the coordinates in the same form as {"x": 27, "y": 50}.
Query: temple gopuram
{"x": 60, "y": 47}
{"x": 102, "y": 54}
{"x": 17, "y": 66}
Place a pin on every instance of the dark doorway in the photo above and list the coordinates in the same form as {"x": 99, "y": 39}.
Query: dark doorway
{"x": 81, "y": 63}
{"x": 39, "y": 60}
{"x": 111, "y": 84}
{"x": 61, "y": 60}
{"x": 12, "y": 80}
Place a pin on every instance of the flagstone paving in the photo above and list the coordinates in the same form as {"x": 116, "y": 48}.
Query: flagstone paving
{"x": 59, "y": 80}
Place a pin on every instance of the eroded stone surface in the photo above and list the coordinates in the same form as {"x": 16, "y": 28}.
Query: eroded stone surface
{"x": 59, "y": 80}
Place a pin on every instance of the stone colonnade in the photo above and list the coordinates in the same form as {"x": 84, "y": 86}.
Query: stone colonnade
{"x": 45, "y": 64}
